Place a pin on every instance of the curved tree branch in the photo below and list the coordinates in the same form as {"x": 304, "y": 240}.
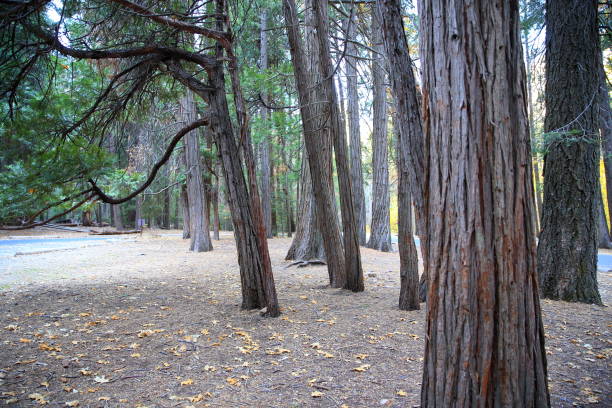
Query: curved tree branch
{"x": 107, "y": 199}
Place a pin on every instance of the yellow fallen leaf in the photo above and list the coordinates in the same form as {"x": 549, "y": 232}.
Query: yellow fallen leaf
{"x": 22, "y": 340}
{"x": 199, "y": 397}
{"x": 362, "y": 368}
{"x": 277, "y": 350}
{"x": 135, "y": 355}
{"x": 44, "y": 384}
{"x": 401, "y": 393}
{"x": 85, "y": 372}
{"x": 74, "y": 403}
{"x": 38, "y": 398}
{"x": 316, "y": 394}
{"x": 188, "y": 381}
{"x": 232, "y": 380}
{"x": 103, "y": 398}
{"x": 204, "y": 332}
{"x": 325, "y": 354}
{"x": 85, "y": 314}
{"x": 361, "y": 356}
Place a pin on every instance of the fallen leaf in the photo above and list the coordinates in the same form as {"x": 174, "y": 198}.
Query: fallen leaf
{"x": 362, "y": 368}
{"x": 38, "y": 398}
{"x": 74, "y": 403}
{"x": 188, "y": 381}
{"x": 232, "y": 380}
{"x": 401, "y": 393}
{"x": 316, "y": 394}
{"x": 101, "y": 379}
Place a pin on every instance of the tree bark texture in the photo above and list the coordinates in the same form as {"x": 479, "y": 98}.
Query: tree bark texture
{"x": 333, "y": 119}
{"x": 263, "y": 277}
{"x": 265, "y": 165}
{"x": 316, "y": 136}
{"x": 380, "y": 227}
{"x": 307, "y": 243}
{"x": 352, "y": 107}
{"x": 198, "y": 219}
{"x": 409, "y": 259}
{"x": 484, "y": 336}
{"x": 411, "y": 147}
{"x": 567, "y": 249}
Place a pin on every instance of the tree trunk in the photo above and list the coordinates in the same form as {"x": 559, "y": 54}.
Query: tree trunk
{"x": 316, "y": 136}
{"x": 605, "y": 125}
{"x": 86, "y": 218}
{"x": 604, "y": 232}
{"x": 166, "y": 217}
{"x": 185, "y": 207}
{"x": 258, "y": 289}
{"x": 265, "y": 165}
{"x": 408, "y": 120}
{"x": 380, "y": 231}
{"x": 567, "y": 249}
{"x": 307, "y": 243}
{"x": 477, "y": 200}
{"x": 354, "y": 273}
{"x": 177, "y": 205}
{"x": 286, "y": 193}
{"x": 353, "y": 126}
{"x": 198, "y": 219}
{"x": 536, "y": 167}
{"x": 409, "y": 259}
{"x": 117, "y": 219}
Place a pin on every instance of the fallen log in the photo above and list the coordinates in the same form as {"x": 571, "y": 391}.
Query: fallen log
{"x": 304, "y": 263}
{"x": 108, "y": 232}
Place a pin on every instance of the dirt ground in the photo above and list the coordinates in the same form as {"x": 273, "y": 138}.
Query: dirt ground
{"x": 146, "y": 323}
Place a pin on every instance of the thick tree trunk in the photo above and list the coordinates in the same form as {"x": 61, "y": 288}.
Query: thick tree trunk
{"x": 567, "y": 249}
{"x": 380, "y": 231}
{"x": 198, "y": 219}
{"x": 307, "y": 243}
{"x": 478, "y": 200}
{"x": 409, "y": 259}
{"x": 316, "y": 136}
{"x": 354, "y": 129}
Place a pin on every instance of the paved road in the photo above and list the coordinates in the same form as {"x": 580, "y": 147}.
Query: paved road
{"x": 604, "y": 261}
{"x": 9, "y": 247}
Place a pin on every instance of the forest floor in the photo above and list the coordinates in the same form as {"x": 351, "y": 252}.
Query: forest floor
{"x": 145, "y": 323}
